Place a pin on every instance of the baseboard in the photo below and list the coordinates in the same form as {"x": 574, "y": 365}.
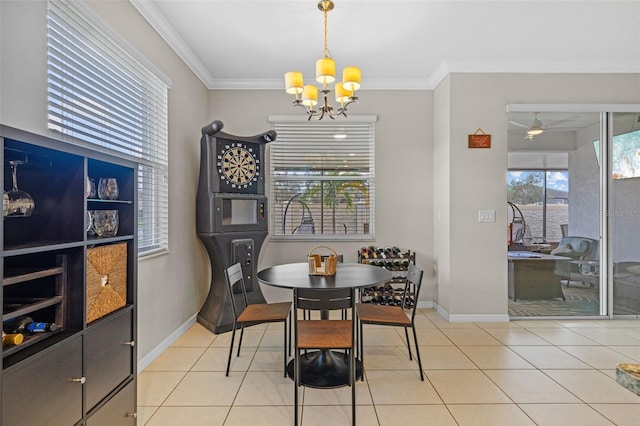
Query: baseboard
{"x": 470, "y": 317}
{"x": 425, "y": 304}
{"x": 158, "y": 350}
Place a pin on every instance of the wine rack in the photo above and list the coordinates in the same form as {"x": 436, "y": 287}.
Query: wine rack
{"x": 82, "y": 366}
{"x": 395, "y": 260}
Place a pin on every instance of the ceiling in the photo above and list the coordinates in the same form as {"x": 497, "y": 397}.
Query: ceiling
{"x": 398, "y": 44}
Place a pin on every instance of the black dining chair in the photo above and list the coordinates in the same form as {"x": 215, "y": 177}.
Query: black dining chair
{"x": 255, "y": 313}
{"x": 394, "y": 316}
{"x": 324, "y": 334}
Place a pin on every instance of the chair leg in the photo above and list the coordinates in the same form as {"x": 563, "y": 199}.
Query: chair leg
{"x": 296, "y": 385}
{"x": 415, "y": 339}
{"x": 360, "y": 344}
{"x": 284, "y": 354}
{"x": 406, "y": 334}
{"x": 233, "y": 335}
{"x": 240, "y": 340}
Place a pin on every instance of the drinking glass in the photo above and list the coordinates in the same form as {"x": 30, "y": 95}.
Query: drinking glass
{"x": 108, "y": 189}
{"x": 19, "y": 202}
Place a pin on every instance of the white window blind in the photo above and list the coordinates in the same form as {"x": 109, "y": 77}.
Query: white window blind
{"x": 102, "y": 97}
{"x": 322, "y": 180}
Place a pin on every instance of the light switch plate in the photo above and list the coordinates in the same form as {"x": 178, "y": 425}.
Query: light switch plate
{"x": 486, "y": 215}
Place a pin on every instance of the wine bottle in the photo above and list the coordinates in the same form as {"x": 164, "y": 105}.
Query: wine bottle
{"x": 364, "y": 253}
{"x": 12, "y": 339}
{"x": 372, "y": 252}
{"x": 41, "y": 327}
{"x": 17, "y": 325}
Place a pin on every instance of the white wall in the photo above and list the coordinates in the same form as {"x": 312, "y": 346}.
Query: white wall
{"x": 171, "y": 287}
{"x": 404, "y": 182}
{"x": 478, "y": 281}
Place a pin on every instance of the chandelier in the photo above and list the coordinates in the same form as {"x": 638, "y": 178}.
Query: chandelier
{"x": 307, "y": 95}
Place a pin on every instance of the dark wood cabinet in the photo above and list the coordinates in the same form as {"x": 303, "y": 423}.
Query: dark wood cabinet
{"x": 83, "y": 366}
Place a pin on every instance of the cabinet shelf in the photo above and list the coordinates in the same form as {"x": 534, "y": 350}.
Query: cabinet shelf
{"x": 16, "y": 276}
{"x": 39, "y": 247}
{"x": 27, "y": 305}
{"x": 28, "y": 341}
{"x": 99, "y": 201}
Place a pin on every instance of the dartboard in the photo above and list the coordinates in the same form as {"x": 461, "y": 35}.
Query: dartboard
{"x": 238, "y": 165}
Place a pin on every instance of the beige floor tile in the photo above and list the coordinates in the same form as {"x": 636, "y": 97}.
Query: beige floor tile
{"x": 260, "y": 416}
{"x": 337, "y": 396}
{"x": 562, "y": 336}
{"x": 530, "y": 387}
{"x": 631, "y": 331}
{"x": 205, "y": 389}
{"x": 548, "y": 357}
{"x": 189, "y": 416}
{"x": 422, "y": 321}
{"x": 265, "y": 388}
{"x": 144, "y": 414}
{"x": 251, "y": 339}
{"x": 215, "y": 359}
{"x": 620, "y": 414}
{"x": 532, "y": 324}
{"x": 630, "y": 351}
{"x": 429, "y": 336}
{"x": 495, "y": 357}
{"x": 490, "y": 325}
{"x": 564, "y": 414}
{"x": 274, "y": 337}
{"x": 338, "y": 415}
{"x": 176, "y": 359}
{"x": 597, "y": 356}
{"x": 608, "y": 336}
{"x": 448, "y": 325}
{"x": 386, "y": 336}
{"x": 401, "y": 387}
{"x": 610, "y": 373}
{"x": 389, "y": 358}
{"x": 414, "y": 415}
{"x": 154, "y": 387}
{"x": 268, "y": 358}
{"x": 593, "y": 387}
{"x": 466, "y": 387}
{"x": 490, "y": 415}
{"x": 475, "y": 336}
{"x": 516, "y": 336}
{"x": 445, "y": 358}
{"x": 196, "y": 336}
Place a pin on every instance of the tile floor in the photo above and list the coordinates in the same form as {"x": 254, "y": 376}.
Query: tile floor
{"x": 536, "y": 372}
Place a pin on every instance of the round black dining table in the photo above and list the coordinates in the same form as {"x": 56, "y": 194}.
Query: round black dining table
{"x": 324, "y": 368}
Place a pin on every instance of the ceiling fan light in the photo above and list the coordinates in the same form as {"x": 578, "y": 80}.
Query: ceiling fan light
{"x": 535, "y": 131}
{"x": 293, "y": 82}
{"x": 325, "y": 70}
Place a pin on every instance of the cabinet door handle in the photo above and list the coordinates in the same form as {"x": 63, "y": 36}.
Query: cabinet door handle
{"x": 134, "y": 415}
{"x": 131, "y": 343}
{"x": 80, "y": 380}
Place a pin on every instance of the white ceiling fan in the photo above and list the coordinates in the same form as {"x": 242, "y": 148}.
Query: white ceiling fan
{"x": 537, "y": 127}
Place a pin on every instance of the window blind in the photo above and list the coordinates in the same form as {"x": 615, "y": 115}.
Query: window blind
{"x": 102, "y": 97}
{"x": 322, "y": 180}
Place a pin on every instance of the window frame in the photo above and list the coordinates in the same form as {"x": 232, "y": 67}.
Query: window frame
{"x": 319, "y": 133}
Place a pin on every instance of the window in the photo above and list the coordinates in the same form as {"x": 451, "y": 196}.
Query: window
{"x": 542, "y": 197}
{"x": 103, "y": 97}
{"x": 322, "y": 177}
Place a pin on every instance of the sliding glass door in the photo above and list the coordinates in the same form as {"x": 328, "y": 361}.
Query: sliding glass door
{"x": 624, "y": 212}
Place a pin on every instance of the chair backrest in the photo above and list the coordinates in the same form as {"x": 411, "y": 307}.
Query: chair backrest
{"x": 414, "y": 279}
{"x": 323, "y": 299}
{"x": 233, "y": 275}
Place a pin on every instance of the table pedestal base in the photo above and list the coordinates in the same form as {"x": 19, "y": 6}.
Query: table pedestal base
{"x": 324, "y": 369}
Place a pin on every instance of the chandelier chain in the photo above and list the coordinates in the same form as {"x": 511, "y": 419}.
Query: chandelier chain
{"x": 326, "y": 26}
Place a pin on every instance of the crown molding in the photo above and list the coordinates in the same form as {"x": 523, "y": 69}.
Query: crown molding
{"x": 157, "y": 20}
{"x": 159, "y": 23}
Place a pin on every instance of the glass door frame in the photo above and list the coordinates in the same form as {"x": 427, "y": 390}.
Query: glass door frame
{"x": 606, "y": 112}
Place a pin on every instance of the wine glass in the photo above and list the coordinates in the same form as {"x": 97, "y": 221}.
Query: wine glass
{"x": 20, "y": 203}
